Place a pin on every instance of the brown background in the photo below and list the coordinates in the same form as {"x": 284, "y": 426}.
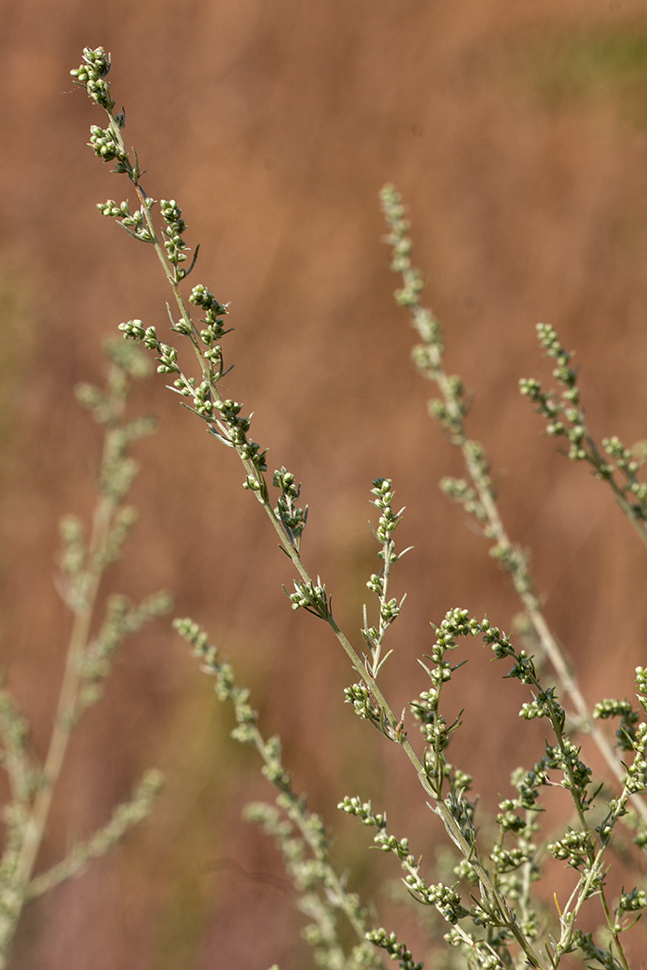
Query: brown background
{"x": 517, "y": 132}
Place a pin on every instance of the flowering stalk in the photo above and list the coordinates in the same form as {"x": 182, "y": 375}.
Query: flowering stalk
{"x": 88, "y": 662}
{"x": 225, "y": 423}
{"x": 478, "y": 497}
{"x": 500, "y": 935}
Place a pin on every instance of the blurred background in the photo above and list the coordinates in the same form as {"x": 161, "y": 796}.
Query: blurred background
{"x": 517, "y": 134}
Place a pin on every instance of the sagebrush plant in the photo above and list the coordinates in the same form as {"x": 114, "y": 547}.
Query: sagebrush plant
{"x": 91, "y": 646}
{"x": 491, "y": 898}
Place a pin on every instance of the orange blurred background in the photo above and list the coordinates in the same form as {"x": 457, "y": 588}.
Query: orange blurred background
{"x": 517, "y": 133}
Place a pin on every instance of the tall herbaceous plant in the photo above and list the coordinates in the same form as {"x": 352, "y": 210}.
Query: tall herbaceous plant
{"x": 489, "y": 904}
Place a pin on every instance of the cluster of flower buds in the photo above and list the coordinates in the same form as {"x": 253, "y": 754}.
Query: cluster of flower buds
{"x": 91, "y": 75}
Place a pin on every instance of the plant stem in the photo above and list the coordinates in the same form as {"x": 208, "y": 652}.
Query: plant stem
{"x": 431, "y": 365}
{"x": 83, "y": 602}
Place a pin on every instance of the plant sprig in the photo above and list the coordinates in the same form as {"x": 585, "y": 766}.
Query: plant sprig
{"x": 225, "y": 423}
{"x": 299, "y": 833}
{"x": 222, "y": 415}
{"x": 507, "y": 938}
{"x": 564, "y": 413}
{"x": 84, "y": 561}
{"x": 476, "y": 493}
